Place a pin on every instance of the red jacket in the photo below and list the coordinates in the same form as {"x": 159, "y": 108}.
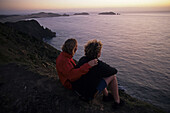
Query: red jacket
{"x": 66, "y": 71}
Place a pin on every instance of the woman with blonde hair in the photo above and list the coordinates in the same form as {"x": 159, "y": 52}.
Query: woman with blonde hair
{"x": 65, "y": 65}
{"x": 98, "y": 77}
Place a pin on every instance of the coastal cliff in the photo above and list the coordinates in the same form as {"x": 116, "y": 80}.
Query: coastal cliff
{"x": 32, "y": 28}
{"x": 29, "y": 81}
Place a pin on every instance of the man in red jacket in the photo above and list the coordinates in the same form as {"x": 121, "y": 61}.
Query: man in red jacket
{"x": 65, "y": 65}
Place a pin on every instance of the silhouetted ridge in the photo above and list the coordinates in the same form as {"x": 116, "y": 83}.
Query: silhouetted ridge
{"x": 33, "y": 28}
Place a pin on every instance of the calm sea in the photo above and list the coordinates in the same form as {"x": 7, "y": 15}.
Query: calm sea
{"x": 137, "y": 44}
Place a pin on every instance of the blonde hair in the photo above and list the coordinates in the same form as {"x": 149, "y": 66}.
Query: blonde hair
{"x": 69, "y": 46}
{"x": 92, "y": 49}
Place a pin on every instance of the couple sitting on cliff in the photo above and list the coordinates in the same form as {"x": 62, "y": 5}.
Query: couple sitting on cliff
{"x": 90, "y": 76}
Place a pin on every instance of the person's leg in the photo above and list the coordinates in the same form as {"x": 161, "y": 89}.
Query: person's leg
{"x": 105, "y": 92}
{"x": 113, "y": 85}
{"x": 107, "y": 80}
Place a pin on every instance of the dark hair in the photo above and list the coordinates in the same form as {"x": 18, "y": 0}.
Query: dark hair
{"x": 92, "y": 49}
{"x": 69, "y": 46}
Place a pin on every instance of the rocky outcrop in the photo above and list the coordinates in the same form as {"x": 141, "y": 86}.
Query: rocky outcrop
{"x": 83, "y": 13}
{"x": 43, "y": 14}
{"x": 65, "y": 14}
{"x": 108, "y": 13}
{"x": 32, "y": 28}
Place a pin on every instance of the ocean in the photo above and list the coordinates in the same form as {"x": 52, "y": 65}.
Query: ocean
{"x": 137, "y": 44}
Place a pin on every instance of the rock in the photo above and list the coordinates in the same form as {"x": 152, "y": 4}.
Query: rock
{"x": 65, "y": 14}
{"x": 83, "y": 13}
{"x": 107, "y": 13}
{"x": 43, "y": 14}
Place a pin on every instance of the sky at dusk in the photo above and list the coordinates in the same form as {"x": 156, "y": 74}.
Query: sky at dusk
{"x": 73, "y": 4}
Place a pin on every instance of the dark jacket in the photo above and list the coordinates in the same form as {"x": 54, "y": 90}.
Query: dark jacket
{"x": 87, "y": 84}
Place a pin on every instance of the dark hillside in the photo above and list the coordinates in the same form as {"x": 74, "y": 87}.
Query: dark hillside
{"x": 25, "y": 49}
{"x": 32, "y": 28}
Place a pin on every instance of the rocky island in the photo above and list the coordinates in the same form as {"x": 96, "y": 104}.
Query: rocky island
{"x": 83, "y": 13}
{"x": 108, "y": 13}
{"x": 43, "y": 14}
{"x": 29, "y": 82}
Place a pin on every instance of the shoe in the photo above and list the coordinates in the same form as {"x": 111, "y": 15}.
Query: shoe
{"x": 118, "y": 105}
{"x": 108, "y": 98}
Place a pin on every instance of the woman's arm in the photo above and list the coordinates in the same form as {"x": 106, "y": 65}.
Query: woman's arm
{"x": 74, "y": 73}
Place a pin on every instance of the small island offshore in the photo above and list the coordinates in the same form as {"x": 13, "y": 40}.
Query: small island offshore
{"x": 28, "y": 79}
{"x": 109, "y": 13}
{"x": 83, "y": 13}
